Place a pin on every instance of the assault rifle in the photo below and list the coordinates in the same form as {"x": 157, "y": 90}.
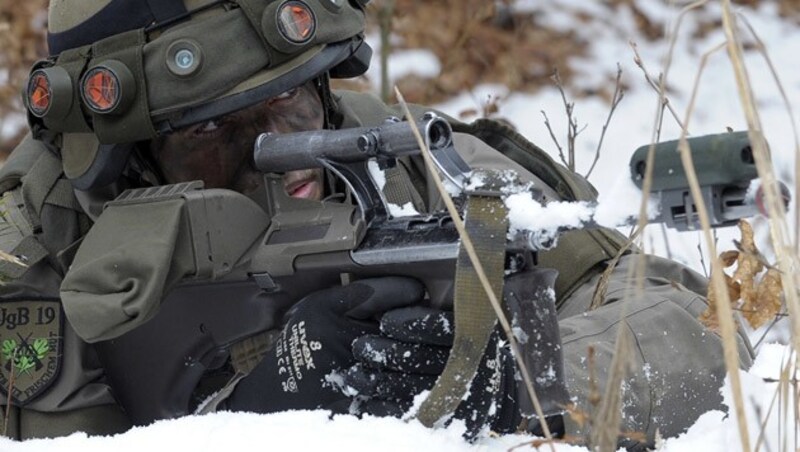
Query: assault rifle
{"x": 252, "y": 260}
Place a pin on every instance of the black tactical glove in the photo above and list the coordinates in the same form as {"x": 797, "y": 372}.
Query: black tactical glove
{"x": 415, "y": 343}
{"x": 303, "y": 370}
{"x": 409, "y": 355}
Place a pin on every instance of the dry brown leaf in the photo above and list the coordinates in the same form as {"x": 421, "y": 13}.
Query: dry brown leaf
{"x": 709, "y": 316}
{"x": 760, "y": 299}
{"x": 728, "y": 258}
{"x": 734, "y": 290}
{"x": 748, "y": 265}
{"x": 767, "y": 302}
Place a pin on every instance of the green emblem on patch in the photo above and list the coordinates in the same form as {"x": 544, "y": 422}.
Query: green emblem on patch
{"x": 30, "y": 347}
{"x": 24, "y": 356}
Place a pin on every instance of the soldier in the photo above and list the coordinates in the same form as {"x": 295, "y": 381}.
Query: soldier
{"x": 140, "y": 94}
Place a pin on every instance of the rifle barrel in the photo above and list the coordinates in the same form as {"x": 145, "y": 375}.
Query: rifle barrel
{"x": 275, "y": 153}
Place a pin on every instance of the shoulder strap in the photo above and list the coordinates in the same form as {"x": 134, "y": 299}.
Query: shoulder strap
{"x": 43, "y": 183}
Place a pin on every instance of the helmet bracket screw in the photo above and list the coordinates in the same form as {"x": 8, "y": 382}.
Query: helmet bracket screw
{"x": 184, "y": 57}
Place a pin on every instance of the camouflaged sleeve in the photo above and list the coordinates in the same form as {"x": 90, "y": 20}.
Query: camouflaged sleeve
{"x": 676, "y": 364}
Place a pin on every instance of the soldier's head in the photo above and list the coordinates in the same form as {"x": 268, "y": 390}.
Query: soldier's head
{"x": 178, "y": 90}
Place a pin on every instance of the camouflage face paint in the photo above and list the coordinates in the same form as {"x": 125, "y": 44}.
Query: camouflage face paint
{"x": 220, "y": 152}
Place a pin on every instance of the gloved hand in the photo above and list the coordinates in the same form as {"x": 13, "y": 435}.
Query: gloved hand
{"x": 415, "y": 342}
{"x": 303, "y": 369}
{"x": 409, "y": 355}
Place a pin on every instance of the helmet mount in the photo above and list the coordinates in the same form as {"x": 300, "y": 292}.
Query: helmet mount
{"x": 170, "y": 66}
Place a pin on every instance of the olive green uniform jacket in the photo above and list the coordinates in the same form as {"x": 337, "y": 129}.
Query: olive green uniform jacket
{"x": 677, "y": 365}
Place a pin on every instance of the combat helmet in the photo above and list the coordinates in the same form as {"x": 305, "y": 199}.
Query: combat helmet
{"x": 126, "y": 71}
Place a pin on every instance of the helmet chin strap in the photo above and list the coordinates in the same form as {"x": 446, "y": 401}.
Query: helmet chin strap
{"x": 333, "y": 119}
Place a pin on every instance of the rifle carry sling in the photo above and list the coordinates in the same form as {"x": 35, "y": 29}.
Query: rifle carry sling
{"x": 578, "y": 252}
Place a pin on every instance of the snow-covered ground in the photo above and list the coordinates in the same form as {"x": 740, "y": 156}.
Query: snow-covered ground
{"x": 316, "y": 430}
{"x": 718, "y": 107}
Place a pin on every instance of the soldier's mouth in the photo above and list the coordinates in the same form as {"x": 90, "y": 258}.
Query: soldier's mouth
{"x": 302, "y": 189}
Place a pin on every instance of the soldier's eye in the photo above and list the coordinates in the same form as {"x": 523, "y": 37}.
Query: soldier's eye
{"x": 208, "y": 128}
{"x": 284, "y": 95}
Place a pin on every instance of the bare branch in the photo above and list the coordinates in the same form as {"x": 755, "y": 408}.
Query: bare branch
{"x": 619, "y": 93}
{"x": 555, "y": 140}
{"x": 769, "y": 328}
{"x": 656, "y": 86}
{"x": 572, "y": 123}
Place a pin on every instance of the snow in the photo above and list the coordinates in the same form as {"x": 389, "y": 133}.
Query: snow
{"x": 715, "y": 431}
{"x": 525, "y": 213}
{"x": 379, "y": 177}
{"x": 318, "y": 430}
{"x": 421, "y": 62}
{"x": 406, "y": 210}
{"x": 632, "y": 125}
{"x": 10, "y": 126}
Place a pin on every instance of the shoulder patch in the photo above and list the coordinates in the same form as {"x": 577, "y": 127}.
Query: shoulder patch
{"x": 31, "y": 340}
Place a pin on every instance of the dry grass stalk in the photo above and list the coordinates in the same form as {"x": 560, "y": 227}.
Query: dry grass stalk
{"x": 9, "y": 392}
{"x": 606, "y": 420}
{"x": 762, "y": 49}
{"x": 476, "y": 263}
{"x": 763, "y": 426}
{"x": 782, "y": 393}
{"x": 778, "y": 226}
{"x": 9, "y": 258}
{"x": 637, "y": 272}
{"x": 787, "y": 258}
{"x": 609, "y": 426}
{"x": 727, "y": 326}
{"x": 601, "y": 289}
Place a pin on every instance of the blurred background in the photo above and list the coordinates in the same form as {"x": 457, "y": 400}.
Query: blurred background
{"x": 436, "y": 49}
